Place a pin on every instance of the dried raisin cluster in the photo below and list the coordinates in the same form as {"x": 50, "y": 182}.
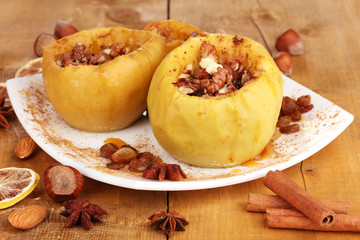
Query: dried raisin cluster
{"x": 291, "y": 111}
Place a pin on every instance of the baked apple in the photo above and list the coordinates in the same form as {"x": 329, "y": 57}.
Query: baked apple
{"x": 174, "y": 32}
{"x": 215, "y": 100}
{"x": 98, "y": 79}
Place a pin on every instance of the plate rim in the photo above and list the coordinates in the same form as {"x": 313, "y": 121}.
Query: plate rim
{"x": 184, "y": 185}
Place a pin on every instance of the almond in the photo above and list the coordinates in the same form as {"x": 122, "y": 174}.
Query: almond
{"x": 27, "y": 217}
{"x": 25, "y": 147}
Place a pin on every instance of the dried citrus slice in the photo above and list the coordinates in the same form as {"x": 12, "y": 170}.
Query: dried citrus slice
{"x": 117, "y": 141}
{"x": 32, "y": 67}
{"x": 16, "y": 184}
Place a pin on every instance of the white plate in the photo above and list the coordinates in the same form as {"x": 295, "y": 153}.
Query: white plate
{"x": 80, "y": 149}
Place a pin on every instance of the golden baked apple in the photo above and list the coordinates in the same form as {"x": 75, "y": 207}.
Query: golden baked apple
{"x": 174, "y": 32}
{"x": 98, "y": 79}
{"x": 215, "y": 100}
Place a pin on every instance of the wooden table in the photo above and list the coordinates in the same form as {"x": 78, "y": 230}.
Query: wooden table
{"x": 330, "y": 66}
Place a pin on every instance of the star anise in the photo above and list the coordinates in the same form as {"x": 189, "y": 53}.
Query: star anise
{"x": 5, "y": 111}
{"x": 82, "y": 213}
{"x": 163, "y": 171}
{"x": 168, "y": 222}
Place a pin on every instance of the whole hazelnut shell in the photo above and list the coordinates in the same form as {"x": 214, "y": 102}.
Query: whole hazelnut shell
{"x": 62, "y": 182}
{"x": 63, "y": 29}
{"x": 290, "y": 42}
{"x": 41, "y": 42}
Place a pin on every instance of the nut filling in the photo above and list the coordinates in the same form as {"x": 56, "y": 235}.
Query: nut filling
{"x": 211, "y": 78}
{"x": 80, "y": 56}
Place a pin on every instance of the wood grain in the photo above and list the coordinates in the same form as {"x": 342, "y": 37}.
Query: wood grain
{"x": 21, "y": 21}
{"x": 330, "y": 66}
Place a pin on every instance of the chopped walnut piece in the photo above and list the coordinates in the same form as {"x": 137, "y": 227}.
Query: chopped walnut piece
{"x": 208, "y": 50}
{"x": 80, "y": 56}
{"x": 211, "y": 78}
{"x": 117, "y": 49}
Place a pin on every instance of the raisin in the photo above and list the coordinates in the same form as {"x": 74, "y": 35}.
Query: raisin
{"x": 115, "y": 166}
{"x": 306, "y": 109}
{"x": 147, "y": 155}
{"x": 290, "y": 128}
{"x": 139, "y": 165}
{"x": 108, "y": 149}
{"x": 296, "y": 115}
{"x": 304, "y": 101}
{"x": 288, "y": 105}
{"x": 283, "y": 121}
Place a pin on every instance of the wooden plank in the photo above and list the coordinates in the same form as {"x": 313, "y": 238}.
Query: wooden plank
{"x": 22, "y": 21}
{"x": 233, "y": 17}
{"x": 328, "y": 67}
{"x": 221, "y": 213}
{"x": 128, "y": 210}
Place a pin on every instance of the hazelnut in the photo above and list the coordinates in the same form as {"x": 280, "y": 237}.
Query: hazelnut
{"x": 284, "y": 62}
{"x": 41, "y": 42}
{"x": 63, "y": 183}
{"x": 124, "y": 155}
{"x": 63, "y": 29}
{"x": 290, "y": 42}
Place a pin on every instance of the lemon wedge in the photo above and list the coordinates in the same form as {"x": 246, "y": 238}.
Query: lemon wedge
{"x": 16, "y": 184}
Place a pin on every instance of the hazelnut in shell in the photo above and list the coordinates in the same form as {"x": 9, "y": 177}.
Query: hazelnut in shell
{"x": 63, "y": 183}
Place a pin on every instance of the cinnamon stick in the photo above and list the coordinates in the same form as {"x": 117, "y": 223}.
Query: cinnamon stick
{"x": 297, "y": 197}
{"x": 260, "y": 202}
{"x": 287, "y": 218}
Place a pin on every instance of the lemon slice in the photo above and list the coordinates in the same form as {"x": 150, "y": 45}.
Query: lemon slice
{"x": 16, "y": 184}
{"x": 32, "y": 67}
